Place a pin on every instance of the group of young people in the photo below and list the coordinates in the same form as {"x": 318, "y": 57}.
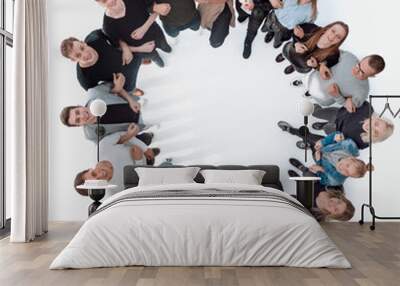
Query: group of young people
{"x": 338, "y": 83}
{"x": 108, "y": 61}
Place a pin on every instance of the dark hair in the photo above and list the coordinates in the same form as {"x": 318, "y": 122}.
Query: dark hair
{"x": 66, "y": 46}
{"x": 80, "y": 181}
{"x": 322, "y": 54}
{"x": 377, "y": 63}
{"x": 64, "y": 115}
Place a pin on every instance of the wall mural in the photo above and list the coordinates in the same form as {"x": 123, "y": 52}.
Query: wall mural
{"x": 108, "y": 62}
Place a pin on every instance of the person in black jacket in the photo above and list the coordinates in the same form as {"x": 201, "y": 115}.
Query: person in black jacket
{"x": 97, "y": 60}
{"x": 318, "y": 49}
{"x": 130, "y": 23}
{"x": 353, "y": 125}
{"x": 258, "y": 15}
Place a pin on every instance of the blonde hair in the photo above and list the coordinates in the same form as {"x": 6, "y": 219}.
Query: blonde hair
{"x": 361, "y": 167}
{"x": 385, "y": 135}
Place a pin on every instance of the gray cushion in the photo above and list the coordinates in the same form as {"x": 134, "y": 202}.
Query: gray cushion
{"x": 270, "y": 179}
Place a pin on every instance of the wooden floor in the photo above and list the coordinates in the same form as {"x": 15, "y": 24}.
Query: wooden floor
{"x": 375, "y": 257}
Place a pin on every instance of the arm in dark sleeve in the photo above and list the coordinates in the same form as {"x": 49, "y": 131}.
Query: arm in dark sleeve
{"x": 332, "y": 60}
{"x": 83, "y": 80}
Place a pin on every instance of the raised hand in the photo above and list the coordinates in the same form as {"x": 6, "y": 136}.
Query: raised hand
{"x": 300, "y": 48}
{"x": 325, "y": 72}
{"x": 162, "y": 9}
{"x": 119, "y": 82}
{"x": 333, "y": 90}
{"x": 349, "y": 105}
{"x": 298, "y": 32}
{"x": 312, "y": 62}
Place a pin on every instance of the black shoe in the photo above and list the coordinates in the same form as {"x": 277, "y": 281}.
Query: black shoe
{"x": 280, "y": 58}
{"x": 319, "y": 125}
{"x": 302, "y": 145}
{"x": 285, "y": 126}
{"x": 277, "y": 44}
{"x": 307, "y": 94}
{"x": 165, "y": 47}
{"x": 293, "y": 173}
{"x": 146, "y": 138}
{"x": 242, "y": 18}
{"x": 297, "y": 83}
{"x": 289, "y": 69}
{"x": 268, "y": 37}
{"x": 246, "y": 51}
{"x": 158, "y": 61}
{"x": 150, "y": 162}
{"x": 297, "y": 164}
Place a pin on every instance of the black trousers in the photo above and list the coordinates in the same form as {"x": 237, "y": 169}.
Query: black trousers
{"x": 240, "y": 11}
{"x": 311, "y": 138}
{"x": 256, "y": 19}
{"x": 220, "y": 28}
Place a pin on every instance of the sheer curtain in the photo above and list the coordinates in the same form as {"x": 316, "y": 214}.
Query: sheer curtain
{"x": 27, "y": 143}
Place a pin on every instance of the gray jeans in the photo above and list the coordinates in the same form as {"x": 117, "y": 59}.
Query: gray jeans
{"x": 328, "y": 114}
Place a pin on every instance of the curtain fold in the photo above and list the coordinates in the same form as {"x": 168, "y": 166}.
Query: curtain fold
{"x": 28, "y": 158}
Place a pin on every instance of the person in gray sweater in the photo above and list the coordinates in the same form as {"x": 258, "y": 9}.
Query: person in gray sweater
{"x": 348, "y": 81}
{"x": 123, "y": 112}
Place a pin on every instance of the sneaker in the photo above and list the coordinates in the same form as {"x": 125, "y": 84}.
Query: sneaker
{"x": 293, "y": 173}
{"x": 302, "y": 145}
{"x": 285, "y": 126}
{"x": 268, "y": 37}
{"x": 280, "y": 58}
{"x": 297, "y": 164}
{"x": 297, "y": 83}
{"x": 289, "y": 69}
{"x": 319, "y": 125}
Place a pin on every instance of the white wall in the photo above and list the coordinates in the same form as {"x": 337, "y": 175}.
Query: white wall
{"x": 213, "y": 106}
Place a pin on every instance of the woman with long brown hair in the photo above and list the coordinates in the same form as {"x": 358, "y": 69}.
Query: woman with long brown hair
{"x": 320, "y": 51}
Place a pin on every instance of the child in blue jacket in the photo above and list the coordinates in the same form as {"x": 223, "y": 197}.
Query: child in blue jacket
{"x": 336, "y": 160}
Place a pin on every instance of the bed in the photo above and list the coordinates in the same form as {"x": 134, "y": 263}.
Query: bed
{"x": 198, "y": 224}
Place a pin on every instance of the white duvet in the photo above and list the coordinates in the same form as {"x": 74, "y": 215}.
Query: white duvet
{"x": 200, "y": 231}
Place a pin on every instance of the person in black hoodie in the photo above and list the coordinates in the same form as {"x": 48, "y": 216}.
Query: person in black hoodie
{"x": 258, "y": 15}
{"x": 133, "y": 23}
{"x": 97, "y": 60}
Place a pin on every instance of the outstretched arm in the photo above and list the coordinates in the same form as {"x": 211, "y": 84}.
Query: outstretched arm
{"x": 142, "y": 30}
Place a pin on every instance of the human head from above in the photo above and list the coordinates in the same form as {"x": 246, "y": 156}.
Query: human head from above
{"x": 110, "y": 4}
{"x": 78, "y": 51}
{"x": 76, "y": 116}
{"x": 103, "y": 170}
{"x": 368, "y": 67}
{"x": 327, "y": 40}
{"x": 382, "y": 129}
{"x": 353, "y": 167}
{"x": 333, "y": 204}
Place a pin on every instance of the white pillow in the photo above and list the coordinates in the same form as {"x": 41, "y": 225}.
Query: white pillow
{"x": 166, "y": 176}
{"x": 248, "y": 177}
